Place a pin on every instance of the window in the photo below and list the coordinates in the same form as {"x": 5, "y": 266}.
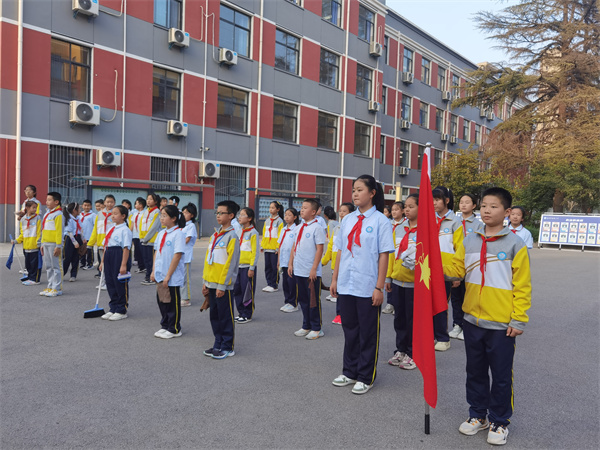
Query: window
{"x": 420, "y": 156}
{"x": 453, "y": 125}
{"x": 437, "y": 156}
{"x": 64, "y": 164}
{"x": 384, "y": 99}
{"x": 167, "y": 13}
{"x": 382, "y": 149}
{"x": 406, "y": 108}
{"x": 231, "y": 184}
{"x": 439, "y": 120}
{"x": 287, "y": 51}
{"x": 424, "y": 115}
{"x": 285, "y": 121}
{"x": 165, "y": 94}
{"x": 407, "y": 61}
{"x": 332, "y": 11}
{"x": 232, "y": 109}
{"x": 386, "y": 56}
{"x": 327, "y": 132}
{"x": 329, "y": 69}
{"x": 404, "y": 154}
{"x": 362, "y": 139}
{"x": 441, "y": 79}
{"x": 425, "y": 70}
{"x": 486, "y": 134}
{"x": 467, "y": 130}
{"x": 234, "y": 31}
{"x": 70, "y": 71}
{"x": 164, "y": 169}
{"x": 455, "y": 86}
{"x": 366, "y": 21}
{"x": 327, "y": 186}
{"x": 478, "y": 134}
{"x": 283, "y": 181}
{"x": 363, "y": 82}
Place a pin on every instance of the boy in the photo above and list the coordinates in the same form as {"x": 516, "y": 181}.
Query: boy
{"x": 99, "y": 204}
{"x": 139, "y": 205}
{"x": 498, "y": 295}
{"x": 31, "y": 226}
{"x": 220, "y": 272}
{"x": 86, "y": 220}
{"x": 102, "y": 225}
{"x": 305, "y": 267}
{"x": 52, "y": 238}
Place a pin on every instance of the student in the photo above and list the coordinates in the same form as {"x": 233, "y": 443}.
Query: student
{"x": 305, "y": 267}
{"x": 450, "y": 237}
{"x": 102, "y": 225}
{"x": 331, "y": 255}
{"x": 99, "y": 205}
{"x": 268, "y": 245}
{"x": 52, "y": 239}
{"x": 30, "y": 229}
{"x": 400, "y": 283}
{"x": 320, "y": 219}
{"x": 72, "y": 239}
{"x": 364, "y": 242}
{"x": 149, "y": 228}
{"x": 136, "y": 221}
{"x": 285, "y": 241}
{"x": 30, "y": 196}
{"x": 470, "y": 224}
{"x": 174, "y": 200}
{"x": 247, "y": 267}
{"x": 516, "y": 218}
{"x": 387, "y": 212}
{"x": 168, "y": 271}
{"x": 164, "y": 201}
{"x": 220, "y": 273}
{"x": 498, "y": 295}
{"x": 127, "y": 204}
{"x": 397, "y": 218}
{"x": 233, "y": 206}
{"x": 115, "y": 262}
{"x": 191, "y": 234}
{"x": 330, "y": 218}
{"x": 86, "y": 221}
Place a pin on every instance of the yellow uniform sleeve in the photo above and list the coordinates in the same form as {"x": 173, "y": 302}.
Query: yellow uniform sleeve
{"x": 263, "y": 241}
{"x": 458, "y": 237}
{"x": 94, "y": 236}
{"x": 521, "y": 288}
{"x": 328, "y": 253}
{"x": 390, "y": 270}
{"x": 456, "y": 269}
{"x": 38, "y": 232}
{"x": 254, "y": 252}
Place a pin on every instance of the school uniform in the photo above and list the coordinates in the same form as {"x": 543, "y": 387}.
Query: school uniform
{"x": 102, "y": 224}
{"x": 189, "y": 231}
{"x": 37, "y": 209}
{"x": 498, "y": 295}
{"x": 523, "y": 233}
{"x": 168, "y": 242}
{"x": 30, "y": 228}
{"x": 117, "y": 240}
{"x": 357, "y": 278}
{"x": 149, "y": 228}
{"x": 330, "y": 253}
{"x": 271, "y": 229}
{"x": 331, "y": 225}
{"x": 310, "y": 234}
{"x": 72, "y": 236}
{"x": 248, "y": 261}
{"x": 220, "y": 272}
{"x": 87, "y": 220}
{"x": 52, "y": 238}
{"x": 237, "y": 227}
{"x": 321, "y": 221}
{"x": 286, "y": 241}
{"x": 135, "y": 240}
{"x": 389, "y": 297}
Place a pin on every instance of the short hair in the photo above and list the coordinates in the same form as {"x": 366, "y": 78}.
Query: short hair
{"x": 330, "y": 213}
{"x": 520, "y": 208}
{"x": 141, "y": 201}
{"x": 471, "y": 196}
{"x": 100, "y": 200}
{"x": 175, "y": 199}
{"x": 56, "y": 196}
{"x": 314, "y": 203}
{"x": 400, "y": 204}
{"x": 110, "y": 196}
{"x": 30, "y": 203}
{"x": 349, "y": 205}
{"x": 228, "y": 204}
{"x": 415, "y": 196}
{"x": 127, "y": 202}
{"x": 501, "y": 194}
{"x": 163, "y": 198}
{"x": 87, "y": 200}
{"x": 123, "y": 210}
{"x": 33, "y": 188}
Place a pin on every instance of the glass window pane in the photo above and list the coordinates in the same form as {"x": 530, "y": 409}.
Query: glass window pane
{"x": 225, "y": 13}
{"x": 242, "y": 20}
{"x": 160, "y": 12}
{"x": 241, "y": 42}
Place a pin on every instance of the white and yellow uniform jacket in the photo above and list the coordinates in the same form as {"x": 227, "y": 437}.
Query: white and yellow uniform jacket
{"x": 271, "y": 229}
{"x": 52, "y": 227}
{"x": 30, "y": 233}
{"x": 222, "y": 260}
{"x": 249, "y": 248}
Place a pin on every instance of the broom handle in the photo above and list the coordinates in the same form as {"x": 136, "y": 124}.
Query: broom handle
{"x": 100, "y": 286}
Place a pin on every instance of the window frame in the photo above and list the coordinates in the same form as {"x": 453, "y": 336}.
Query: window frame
{"x": 384, "y": 90}
{"x": 386, "y": 53}
{"x": 369, "y": 26}
{"x": 168, "y": 20}
{"x": 409, "y": 107}
{"x": 235, "y": 104}
{"x": 425, "y": 70}
{"x": 368, "y": 80}
{"x": 319, "y": 181}
{"x": 466, "y": 130}
{"x": 275, "y": 185}
{"x": 329, "y": 65}
{"x": 420, "y": 153}
{"x": 382, "y": 149}
{"x": 438, "y": 157}
{"x": 65, "y": 163}
{"x": 327, "y": 127}
{"x": 286, "y": 118}
{"x": 441, "y": 78}
{"x": 153, "y": 174}
{"x": 424, "y": 110}
{"x": 167, "y": 88}
{"x": 410, "y": 59}
{"x": 477, "y": 134}
{"x": 338, "y": 12}
{"x": 247, "y": 52}
{"x": 455, "y": 86}
{"x": 295, "y": 49}
{"x": 454, "y": 125}
{"x": 78, "y": 67}
{"x": 402, "y": 152}
{"x": 368, "y": 127}
{"x": 439, "y": 120}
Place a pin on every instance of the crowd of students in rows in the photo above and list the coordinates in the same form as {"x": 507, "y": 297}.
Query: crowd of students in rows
{"x": 486, "y": 265}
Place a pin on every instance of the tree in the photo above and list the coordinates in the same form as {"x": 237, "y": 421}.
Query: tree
{"x": 554, "y": 71}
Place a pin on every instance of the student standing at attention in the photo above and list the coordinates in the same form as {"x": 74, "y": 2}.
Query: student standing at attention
{"x": 286, "y": 243}
{"x": 364, "y": 242}
{"x": 87, "y": 219}
{"x": 191, "y": 235}
{"x": 52, "y": 239}
{"x": 30, "y": 227}
{"x": 517, "y": 215}
{"x": 397, "y": 219}
{"x": 247, "y": 267}
{"x": 268, "y": 245}
{"x": 136, "y": 221}
{"x": 495, "y": 266}
{"x": 149, "y": 228}
{"x": 102, "y": 225}
{"x": 72, "y": 239}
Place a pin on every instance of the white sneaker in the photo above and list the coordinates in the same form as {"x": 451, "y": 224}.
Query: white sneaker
{"x": 407, "y": 363}
{"x": 270, "y": 289}
{"x": 473, "y": 425}
{"x": 333, "y": 300}
{"x": 396, "y": 359}
{"x": 328, "y": 298}
{"x": 361, "y": 388}
{"x": 389, "y": 309}
{"x": 301, "y": 332}
{"x": 343, "y": 380}
{"x": 159, "y": 332}
{"x": 186, "y": 303}
{"x": 53, "y": 293}
{"x": 461, "y": 336}
{"x": 455, "y": 332}
{"x": 284, "y": 307}
{"x": 442, "y": 346}
{"x": 44, "y": 292}
{"x": 103, "y": 287}
{"x": 168, "y": 335}
{"x": 289, "y": 308}
{"x": 118, "y": 316}
{"x": 72, "y": 279}
{"x": 107, "y": 316}
{"x": 315, "y": 335}
{"x": 497, "y": 434}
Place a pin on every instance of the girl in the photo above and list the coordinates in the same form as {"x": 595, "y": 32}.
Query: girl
{"x": 116, "y": 263}
{"x": 331, "y": 254}
{"x": 30, "y": 227}
{"x": 470, "y": 223}
{"x": 517, "y": 215}
{"x": 388, "y": 212}
{"x": 364, "y": 242}
{"x": 268, "y": 244}
{"x": 247, "y": 267}
{"x": 286, "y": 243}
{"x": 149, "y": 228}
{"x": 168, "y": 271}
{"x": 397, "y": 219}
{"x": 450, "y": 237}
{"x": 191, "y": 234}
{"x": 331, "y": 222}
{"x": 400, "y": 283}
{"x": 72, "y": 238}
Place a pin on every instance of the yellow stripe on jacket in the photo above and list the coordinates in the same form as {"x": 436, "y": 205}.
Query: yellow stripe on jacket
{"x": 331, "y": 251}
{"x": 249, "y": 250}
{"x": 53, "y": 228}
{"x": 30, "y": 236}
{"x": 222, "y": 269}
{"x": 269, "y": 240}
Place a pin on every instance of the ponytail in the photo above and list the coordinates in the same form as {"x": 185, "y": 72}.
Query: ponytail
{"x": 181, "y": 220}
{"x": 173, "y": 212}
{"x": 373, "y": 185}
{"x": 279, "y": 207}
{"x": 68, "y": 211}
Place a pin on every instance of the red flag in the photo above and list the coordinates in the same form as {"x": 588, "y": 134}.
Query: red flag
{"x": 430, "y": 292}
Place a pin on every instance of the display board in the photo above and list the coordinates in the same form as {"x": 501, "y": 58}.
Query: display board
{"x": 184, "y": 197}
{"x": 575, "y": 230}
{"x": 119, "y": 193}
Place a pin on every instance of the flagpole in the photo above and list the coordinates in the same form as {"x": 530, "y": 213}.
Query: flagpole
{"x": 426, "y": 418}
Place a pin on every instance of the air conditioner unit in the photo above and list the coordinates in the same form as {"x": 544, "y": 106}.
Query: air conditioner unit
{"x": 490, "y": 115}
{"x": 227, "y": 56}
{"x": 177, "y": 128}
{"x": 84, "y": 113}
{"x": 407, "y": 77}
{"x": 405, "y": 124}
{"x": 403, "y": 170}
{"x": 87, "y": 7}
{"x": 375, "y": 49}
{"x": 453, "y": 139}
{"x": 447, "y": 96}
{"x": 374, "y": 106}
{"x": 209, "y": 170}
{"x": 108, "y": 157}
{"x": 444, "y": 137}
{"x": 482, "y": 112}
{"x": 179, "y": 38}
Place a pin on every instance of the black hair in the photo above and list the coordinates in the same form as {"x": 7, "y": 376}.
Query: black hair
{"x": 444, "y": 193}
{"x": 502, "y": 194}
{"x": 173, "y": 212}
{"x": 128, "y": 203}
{"x": 86, "y": 201}
{"x": 313, "y": 202}
{"x": 191, "y": 208}
{"x": 400, "y": 204}
{"x": 471, "y": 196}
{"x": 349, "y": 205}
{"x": 110, "y": 196}
{"x": 295, "y": 213}
{"x": 56, "y": 196}
{"x": 389, "y": 208}
{"x": 30, "y": 203}
{"x": 175, "y": 199}
{"x": 100, "y": 200}
{"x": 415, "y": 196}
{"x": 279, "y": 207}
{"x": 155, "y": 197}
{"x": 330, "y": 213}
{"x": 230, "y": 205}
{"x": 250, "y": 213}
{"x": 33, "y": 188}
{"x": 522, "y": 212}
{"x": 373, "y": 185}
{"x": 141, "y": 201}
{"x": 123, "y": 210}
{"x": 68, "y": 211}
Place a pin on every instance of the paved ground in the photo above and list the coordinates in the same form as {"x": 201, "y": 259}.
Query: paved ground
{"x": 67, "y": 382}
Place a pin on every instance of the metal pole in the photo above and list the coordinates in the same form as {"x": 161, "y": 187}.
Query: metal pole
{"x": 427, "y": 423}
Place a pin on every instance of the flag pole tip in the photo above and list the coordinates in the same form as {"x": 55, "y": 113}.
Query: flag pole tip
{"x": 428, "y": 144}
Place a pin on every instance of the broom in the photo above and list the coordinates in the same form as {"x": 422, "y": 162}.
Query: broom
{"x": 96, "y": 311}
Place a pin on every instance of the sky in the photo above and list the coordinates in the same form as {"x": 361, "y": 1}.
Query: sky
{"x": 451, "y": 22}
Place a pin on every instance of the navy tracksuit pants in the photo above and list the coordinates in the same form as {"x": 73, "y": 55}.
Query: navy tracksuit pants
{"x": 117, "y": 291}
{"x": 32, "y": 263}
{"x": 148, "y": 256}
{"x": 311, "y": 316}
{"x": 360, "y": 322}
{"x": 271, "y": 273}
{"x": 440, "y": 320}
{"x": 403, "y": 317}
{"x": 137, "y": 253}
{"x": 290, "y": 294}
{"x": 239, "y": 292}
{"x": 221, "y": 320}
{"x": 88, "y": 258}
{"x": 489, "y": 351}
{"x": 457, "y": 297}
{"x": 71, "y": 256}
{"x": 170, "y": 312}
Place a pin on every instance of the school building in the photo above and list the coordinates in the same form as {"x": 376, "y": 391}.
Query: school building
{"x": 223, "y": 99}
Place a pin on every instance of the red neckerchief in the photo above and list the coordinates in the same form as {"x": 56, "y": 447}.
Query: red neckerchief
{"x": 108, "y": 235}
{"x": 29, "y": 220}
{"x": 404, "y": 242}
{"x": 164, "y": 238}
{"x": 305, "y": 224}
{"x": 440, "y": 220}
{"x": 58, "y": 208}
{"x": 354, "y": 236}
{"x": 483, "y": 256}
{"x": 150, "y": 211}
{"x": 283, "y": 237}
{"x": 105, "y": 220}
{"x": 271, "y": 227}
{"x": 78, "y": 229}
{"x": 243, "y": 231}
{"x": 394, "y": 227}
{"x": 137, "y": 216}
{"x": 216, "y": 237}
